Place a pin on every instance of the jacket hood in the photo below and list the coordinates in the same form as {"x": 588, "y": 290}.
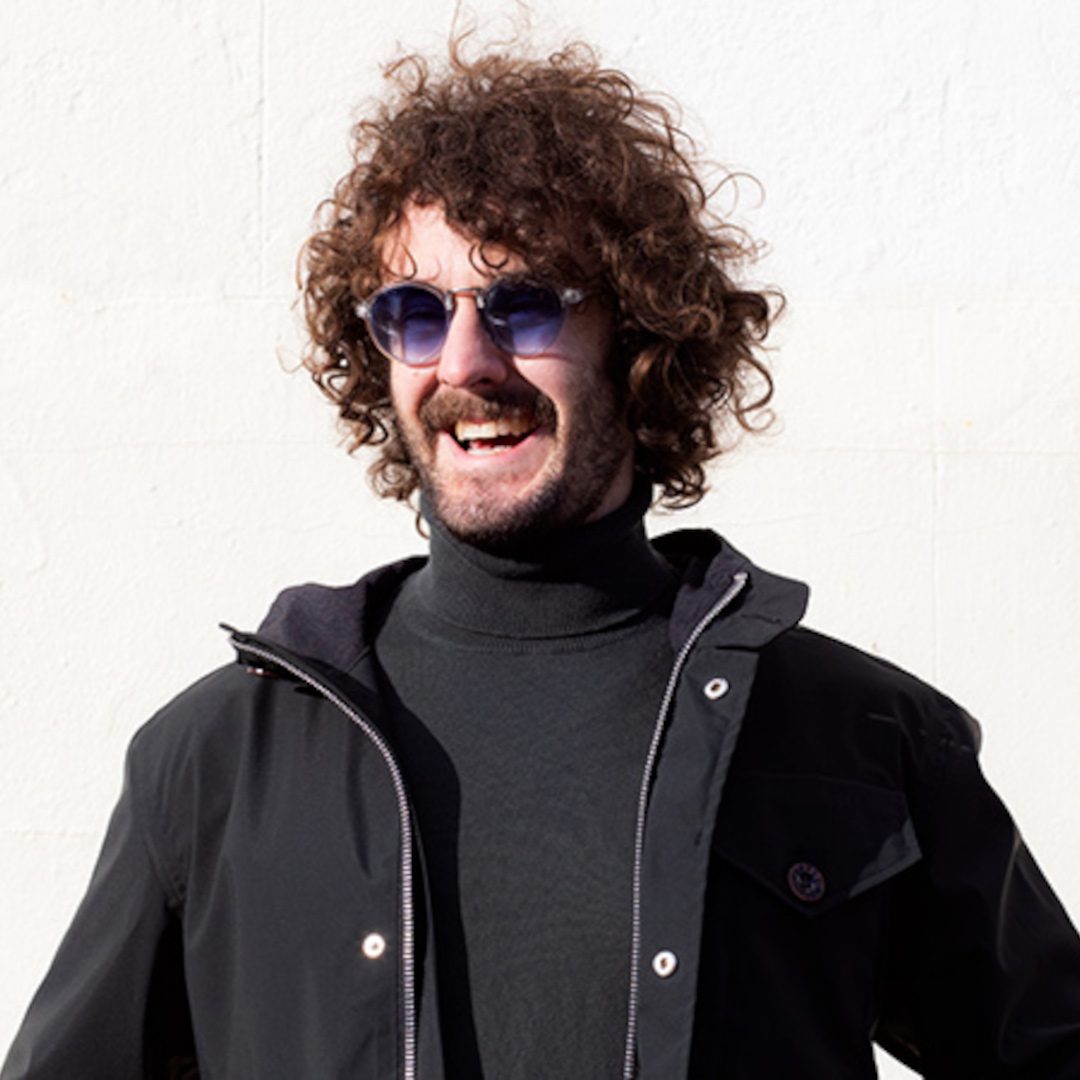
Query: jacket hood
{"x": 336, "y": 625}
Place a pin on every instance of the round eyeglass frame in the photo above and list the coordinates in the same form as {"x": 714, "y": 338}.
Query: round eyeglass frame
{"x": 567, "y": 297}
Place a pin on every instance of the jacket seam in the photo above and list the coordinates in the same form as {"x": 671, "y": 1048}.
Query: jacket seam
{"x": 143, "y": 816}
{"x": 840, "y": 781}
{"x": 946, "y": 749}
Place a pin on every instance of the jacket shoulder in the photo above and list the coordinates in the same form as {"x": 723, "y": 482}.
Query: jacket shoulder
{"x": 823, "y": 701}
{"x": 194, "y": 716}
{"x": 185, "y": 762}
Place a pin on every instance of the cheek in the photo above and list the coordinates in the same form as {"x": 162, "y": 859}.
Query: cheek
{"x": 585, "y": 368}
{"x": 407, "y": 389}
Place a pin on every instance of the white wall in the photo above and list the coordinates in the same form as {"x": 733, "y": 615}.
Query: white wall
{"x": 159, "y": 472}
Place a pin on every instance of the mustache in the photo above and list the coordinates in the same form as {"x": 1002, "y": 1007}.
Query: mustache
{"x": 445, "y": 408}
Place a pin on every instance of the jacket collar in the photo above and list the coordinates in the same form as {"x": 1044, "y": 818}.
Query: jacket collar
{"x": 707, "y": 565}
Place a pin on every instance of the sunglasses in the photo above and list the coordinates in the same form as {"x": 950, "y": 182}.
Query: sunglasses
{"x": 409, "y": 321}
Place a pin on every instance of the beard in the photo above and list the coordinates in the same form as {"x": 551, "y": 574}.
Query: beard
{"x": 590, "y": 447}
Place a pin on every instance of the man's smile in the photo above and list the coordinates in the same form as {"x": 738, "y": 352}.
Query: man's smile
{"x": 489, "y": 436}
{"x": 485, "y": 426}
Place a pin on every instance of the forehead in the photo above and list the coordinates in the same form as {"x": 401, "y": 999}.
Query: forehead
{"x": 424, "y": 245}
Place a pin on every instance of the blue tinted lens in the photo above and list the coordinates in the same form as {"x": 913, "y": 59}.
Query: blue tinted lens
{"x": 522, "y": 318}
{"x": 409, "y": 323}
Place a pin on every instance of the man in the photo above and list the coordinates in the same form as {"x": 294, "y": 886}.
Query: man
{"x": 554, "y": 802}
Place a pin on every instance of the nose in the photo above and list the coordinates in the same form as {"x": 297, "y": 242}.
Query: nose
{"x": 469, "y": 357}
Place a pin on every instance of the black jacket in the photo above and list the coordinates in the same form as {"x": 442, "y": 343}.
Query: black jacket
{"x": 819, "y": 863}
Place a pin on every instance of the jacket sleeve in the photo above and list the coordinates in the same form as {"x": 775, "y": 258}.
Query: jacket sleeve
{"x": 985, "y": 974}
{"x": 113, "y": 1004}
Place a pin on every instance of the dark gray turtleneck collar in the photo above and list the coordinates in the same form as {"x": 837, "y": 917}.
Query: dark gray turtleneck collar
{"x": 585, "y": 578}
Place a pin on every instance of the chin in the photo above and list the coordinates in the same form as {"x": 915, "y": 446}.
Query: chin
{"x": 497, "y": 527}
{"x": 500, "y": 522}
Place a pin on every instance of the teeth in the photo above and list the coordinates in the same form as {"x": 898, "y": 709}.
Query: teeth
{"x": 467, "y": 430}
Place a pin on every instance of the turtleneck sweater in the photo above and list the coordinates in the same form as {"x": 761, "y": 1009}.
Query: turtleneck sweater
{"x": 524, "y": 692}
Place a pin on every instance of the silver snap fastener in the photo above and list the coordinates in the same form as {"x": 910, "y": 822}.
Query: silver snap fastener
{"x": 373, "y": 946}
{"x": 716, "y": 688}
{"x": 664, "y": 963}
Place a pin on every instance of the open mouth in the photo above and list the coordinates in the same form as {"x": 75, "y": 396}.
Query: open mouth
{"x": 493, "y": 436}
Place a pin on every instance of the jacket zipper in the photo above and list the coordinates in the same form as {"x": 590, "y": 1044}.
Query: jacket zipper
{"x": 738, "y": 581}
{"x": 408, "y": 980}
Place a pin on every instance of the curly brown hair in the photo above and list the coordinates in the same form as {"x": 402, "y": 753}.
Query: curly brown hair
{"x": 571, "y": 166}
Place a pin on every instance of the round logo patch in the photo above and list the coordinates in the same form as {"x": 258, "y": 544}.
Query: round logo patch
{"x": 806, "y": 881}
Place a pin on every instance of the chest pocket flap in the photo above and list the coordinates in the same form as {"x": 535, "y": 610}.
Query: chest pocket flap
{"x": 814, "y": 841}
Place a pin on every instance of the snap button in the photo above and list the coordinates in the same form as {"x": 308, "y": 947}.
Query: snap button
{"x": 373, "y": 946}
{"x": 806, "y": 881}
{"x": 664, "y": 963}
{"x": 716, "y": 688}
